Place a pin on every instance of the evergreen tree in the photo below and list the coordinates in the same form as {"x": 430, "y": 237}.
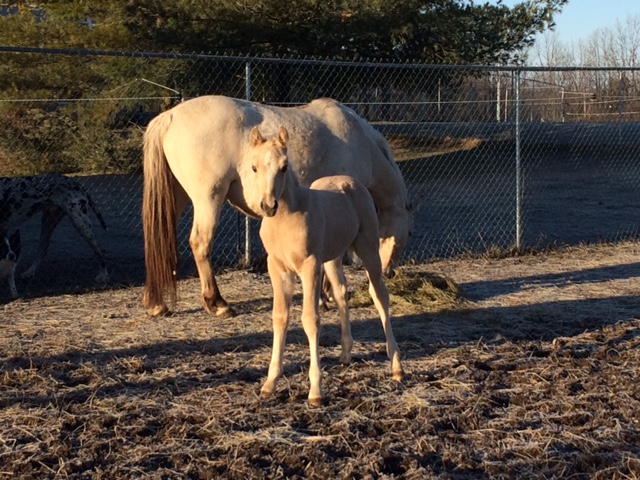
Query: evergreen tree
{"x": 58, "y": 131}
{"x": 432, "y": 31}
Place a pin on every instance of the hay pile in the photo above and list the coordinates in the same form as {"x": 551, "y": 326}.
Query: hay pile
{"x": 414, "y": 291}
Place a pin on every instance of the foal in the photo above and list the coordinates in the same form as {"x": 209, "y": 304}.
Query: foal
{"x": 302, "y": 230}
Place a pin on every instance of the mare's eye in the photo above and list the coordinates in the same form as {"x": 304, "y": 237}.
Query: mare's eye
{"x": 253, "y": 167}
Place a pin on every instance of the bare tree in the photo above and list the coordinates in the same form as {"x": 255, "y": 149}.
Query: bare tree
{"x": 593, "y": 95}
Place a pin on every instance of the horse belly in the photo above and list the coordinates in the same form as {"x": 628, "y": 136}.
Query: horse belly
{"x": 342, "y": 226}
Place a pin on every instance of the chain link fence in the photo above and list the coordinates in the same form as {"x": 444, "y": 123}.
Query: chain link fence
{"x": 498, "y": 157}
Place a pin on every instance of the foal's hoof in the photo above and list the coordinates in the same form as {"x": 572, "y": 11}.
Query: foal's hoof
{"x": 398, "y": 375}
{"x": 265, "y": 394}
{"x": 315, "y": 402}
{"x": 158, "y": 310}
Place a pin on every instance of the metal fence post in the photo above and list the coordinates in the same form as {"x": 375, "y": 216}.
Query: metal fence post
{"x": 498, "y": 100}
{"x": 518, "y": 165}
{"x": 247, "y": 221}
{"x": 621, "y": 81}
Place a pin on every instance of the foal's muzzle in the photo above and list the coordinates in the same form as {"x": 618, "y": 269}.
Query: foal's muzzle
{"x": 269, "y": 210}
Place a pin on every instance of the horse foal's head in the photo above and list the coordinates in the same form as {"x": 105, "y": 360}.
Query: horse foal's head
{"x": 269, "y": 163}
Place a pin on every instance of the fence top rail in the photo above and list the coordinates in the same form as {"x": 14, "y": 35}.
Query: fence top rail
{"x": 362, "y": 63}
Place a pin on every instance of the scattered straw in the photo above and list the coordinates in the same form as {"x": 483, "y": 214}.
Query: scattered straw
{"x": 532, "y": 373}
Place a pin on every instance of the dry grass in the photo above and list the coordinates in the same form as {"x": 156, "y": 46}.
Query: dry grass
{"x": 411, "y": 147}
{"x": 529, "y": 369}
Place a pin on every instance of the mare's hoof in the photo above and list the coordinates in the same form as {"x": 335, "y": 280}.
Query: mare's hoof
{"x": 344, "y": 361}
{"x": 225, "y": 312}
{"x": 158, "y": 310}
{"x": 315, "y": 402}
{"x": 221, "y": 312}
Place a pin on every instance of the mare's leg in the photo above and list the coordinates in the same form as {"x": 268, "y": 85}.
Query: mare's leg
{"x": 206, "y": 213}
{"x": 310, "y": 275}
{"x": 335, "y": 275}
{"x": 50, "y": 219}
{"x": 282, "y": 284}
{"x": 367, "y": 249}
{"x": 181, "y": 199}
{"x": 326, "y": 295}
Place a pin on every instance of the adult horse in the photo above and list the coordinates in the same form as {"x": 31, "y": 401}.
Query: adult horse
{"x": 197, "y": 151}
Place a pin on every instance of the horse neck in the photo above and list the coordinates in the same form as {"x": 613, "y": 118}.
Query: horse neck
{"x": 293, "y": 193}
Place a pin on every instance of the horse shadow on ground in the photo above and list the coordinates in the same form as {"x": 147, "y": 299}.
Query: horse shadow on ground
{"x": 419, "y": 336}
{"x": 485, "y": 289}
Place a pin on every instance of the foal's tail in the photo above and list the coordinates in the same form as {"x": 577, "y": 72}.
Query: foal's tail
{"x": 158, "y": 217}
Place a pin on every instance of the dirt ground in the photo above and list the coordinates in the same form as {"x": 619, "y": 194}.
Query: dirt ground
{"x": 534, "y": 375}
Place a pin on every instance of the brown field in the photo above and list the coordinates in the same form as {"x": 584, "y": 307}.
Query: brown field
{"x": 532, "y": 373}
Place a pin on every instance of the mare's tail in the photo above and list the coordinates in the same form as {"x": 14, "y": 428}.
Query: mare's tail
{"x": 158, "y": 217}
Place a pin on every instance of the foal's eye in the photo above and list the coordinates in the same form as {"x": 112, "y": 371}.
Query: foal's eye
{"x": 284, "y": 168}
{"x": 254, "y": 168}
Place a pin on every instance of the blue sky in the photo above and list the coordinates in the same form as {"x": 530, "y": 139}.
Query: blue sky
{"x": 579, "y": 18}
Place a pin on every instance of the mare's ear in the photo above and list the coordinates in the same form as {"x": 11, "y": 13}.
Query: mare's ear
{"x": 283, "y": 136}
{"x": 255, "y": 137}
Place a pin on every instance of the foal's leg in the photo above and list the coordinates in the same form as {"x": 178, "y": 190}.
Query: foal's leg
{"x": 282, "y": 284}
{"x": 367, "y": 250}
{"x": 335, "y": 274}
{"x": 310, "y": 275}
{"x": 206, "y": 212}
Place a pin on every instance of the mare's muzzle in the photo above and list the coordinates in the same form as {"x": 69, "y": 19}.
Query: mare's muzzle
{"x": 389, "y": 272}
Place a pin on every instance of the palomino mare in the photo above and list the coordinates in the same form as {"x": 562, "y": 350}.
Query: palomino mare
{"x": 197, "y": 150}
{"x": 304, "y": 228}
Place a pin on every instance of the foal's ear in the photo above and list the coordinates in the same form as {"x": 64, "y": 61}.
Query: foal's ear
{"x": 283, "y": 136}
{"x": 255, "y": 137}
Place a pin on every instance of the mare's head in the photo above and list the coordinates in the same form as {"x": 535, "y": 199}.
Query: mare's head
{"x": 269, "y": 163}
{"x": 396, "y": 227}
